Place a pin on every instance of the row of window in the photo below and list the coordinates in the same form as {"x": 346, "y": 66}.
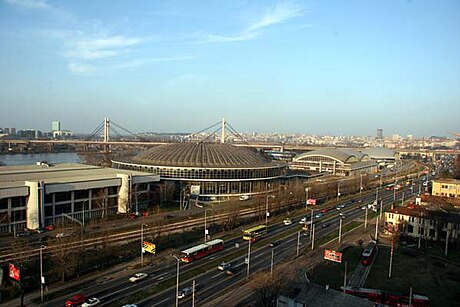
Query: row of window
{"x": 13, "y": 202}
{"x": 80, "y": 194}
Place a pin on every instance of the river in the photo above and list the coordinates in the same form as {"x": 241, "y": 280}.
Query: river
{"x": 27, "y": 159}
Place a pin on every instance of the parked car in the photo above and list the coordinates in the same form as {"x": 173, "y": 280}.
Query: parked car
{"x": 244, "y": 197}
{"x": 287, "y": 222}
{"x": 75, "y": 300}
{"x": 223, "y": 266}
{"x": 94, "y": 301}
{"x": 145, "y": 213}
{"x": 138, "y": 276}
{"x": 324, "y": 210}
{"x": 185, "y": 292}
{"x": 318, "y": 215}
{"x": 303, "y": 220}
{"x": 49, "y": 227}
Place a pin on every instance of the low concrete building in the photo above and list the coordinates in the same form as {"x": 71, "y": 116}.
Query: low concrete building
{"x": 446, "y": 188}
{"x": 421, "y": 222}
{"x": 34, "y": 196}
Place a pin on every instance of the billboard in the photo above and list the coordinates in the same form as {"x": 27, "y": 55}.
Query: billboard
{"x": 333, "y": 255}
{"x": 149, "y": 247}
{"x": 195, "y": 190}
{"x": 311, "y": 201}
{"x": 13, "y": 272}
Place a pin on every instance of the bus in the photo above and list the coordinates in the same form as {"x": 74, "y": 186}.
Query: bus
{"x": 254, "y": 233}
{"x": 368, "y": 253}
{"x": 201, "y": 250}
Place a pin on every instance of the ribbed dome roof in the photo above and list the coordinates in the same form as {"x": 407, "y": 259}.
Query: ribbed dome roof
{"x": 202, "y": 155}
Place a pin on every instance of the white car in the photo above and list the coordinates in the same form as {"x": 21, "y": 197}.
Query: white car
{"x": 184, "y": 292}
{"x": 138, "y": 276}
{"x": 224, "y": 266}
{"x": 342, "y": 215}
{"x": 303, "y": 220}
{"x": 62, "y": 235}
{"x": 287, "y": 222}
{"x": 94, "y": 301}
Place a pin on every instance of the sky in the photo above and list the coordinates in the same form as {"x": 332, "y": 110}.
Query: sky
{"x": 322, "y": 67}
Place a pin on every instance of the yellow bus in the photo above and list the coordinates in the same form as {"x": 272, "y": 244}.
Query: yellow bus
{"x": 254, "y": 233}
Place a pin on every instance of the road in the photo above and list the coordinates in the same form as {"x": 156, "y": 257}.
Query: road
{"x": 214, "y": 281}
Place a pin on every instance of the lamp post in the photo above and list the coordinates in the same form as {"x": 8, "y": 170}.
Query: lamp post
{"x": 177, "y": 280}
{"x": 311, "y": 224}
{"x": 340, "y": 230}
{"x": 205, "y": 229}
{"x": 360, "y": 183}
{"x": 338, "y": 190}
{"x": 42, "y": 278}
{"x": 249, "y": 258}
{"x": 306, "y": 197}
{"x": 142, "y": 243}
{"x": 271, "y": 263}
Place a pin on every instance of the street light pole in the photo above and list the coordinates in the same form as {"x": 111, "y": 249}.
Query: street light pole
{"x": 266, "y": 212}
{"x": 340, "y": 230}
{"x": 311, "y": 223}
{"x": 365, "y": 219}
{"x": 338, "y": 190}
{"x": 313, "y": 238}
{"x": 249, "y": 258}
{"x": 360, "y": 183}
{"x": 271, "y": 265}
{"x": 298, "y": 243}
{"x": 142, "y": 244}
{"x": 376, "y": 228}
{"x": 177, "y": 280}
{"x": 205, "y": 229}
{"x": 42, "y": 278}
{"x": 306, "y": 197}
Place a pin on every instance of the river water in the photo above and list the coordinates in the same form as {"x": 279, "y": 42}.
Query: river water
{"x": 27, "y": 159}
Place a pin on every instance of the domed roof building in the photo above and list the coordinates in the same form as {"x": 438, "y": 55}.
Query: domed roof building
{"x": 209, "y": 171}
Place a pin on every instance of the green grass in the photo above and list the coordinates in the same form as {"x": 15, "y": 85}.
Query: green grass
{"x": 427, "y": 276}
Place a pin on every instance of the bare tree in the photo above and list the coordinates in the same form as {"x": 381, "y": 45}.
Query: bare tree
{"x": 100, "y": 200}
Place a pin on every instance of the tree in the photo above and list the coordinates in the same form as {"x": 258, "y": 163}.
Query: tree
{"x": 100, "y": 200}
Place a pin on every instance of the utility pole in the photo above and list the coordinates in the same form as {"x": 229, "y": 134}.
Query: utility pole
{"x": 376, "y": 228}
{"x": 391, "y": 258}
{"x": 298, "y": 243}
{"x": 311, "y": 223}
{"x": 381, "y": 207}
{"x": 360, "y": 183}
{"x": 313, "y": 239}
{"x": 306, "y": 197}
{"x": 365, "y": 219}
{"x": 340, "y": 230}
{"x": 410, "y": 296}
{"x": 193, "y": 293}
{"x": 177, "y": 280}
{"x": 142, "y": 244}
{"x": 205, "y": 227}
{"x": 249, "y": 258}
{"x": 338, "y": 190}
{"x": 42, "y": 278}
{"x": 271, "y": 264}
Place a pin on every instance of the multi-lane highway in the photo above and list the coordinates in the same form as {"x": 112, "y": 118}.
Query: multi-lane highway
{"x": 212, "y": 281}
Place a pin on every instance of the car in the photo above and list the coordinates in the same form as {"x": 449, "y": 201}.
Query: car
{"x": 363, "y": 207}
{"x": 305, "y": 234}
{"x": 287, "y": 222}
{"x": 244, "y": 197}
{"x": 133, "y": 216}
{"x": 38, "y": 230}
{"x": 318, "y": 215}
{"x": 49, "y": 227}
{"x": 145, "y": 213}
{"x": 360, "y": 201}
{"x": 342, "y": 215}
{"x": 184, "y": 292}
{"x": 129, "y": 305}
{"x": 303, "y": 220}
{"x": 75, "y": 300}
{"x": 94, "y": 301}
{"x": 231, "y": 271}
{"x": 138, "y": 276}
{"x": 62, "y": 235}
{"x": 324, "y": 225}
{"x": 273, "y": 244}
{"x": 324, "y": 210}
{"x": 24, "y": 233}
{"x": 338, "y": 208}
{"x": 342, "y": 205}
{"x": 223, "y": 266}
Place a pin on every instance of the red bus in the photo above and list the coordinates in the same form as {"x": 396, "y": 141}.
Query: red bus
{"x": 368, "y": 253}
{"x": 202, "y": 250}
{"x": 389, "y": 298}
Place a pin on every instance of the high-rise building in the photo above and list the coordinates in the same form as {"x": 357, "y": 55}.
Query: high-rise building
{"x": 55, "y": 125}
{"x": 380, "y": 134}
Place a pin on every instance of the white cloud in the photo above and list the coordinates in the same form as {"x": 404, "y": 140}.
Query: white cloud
{"x": 142, "y": 62}
{"x": 100, "y": 48}
{"x": 80, "y": 69}
{"x": 279, "y": 13}
{"x": 29, "y": 4}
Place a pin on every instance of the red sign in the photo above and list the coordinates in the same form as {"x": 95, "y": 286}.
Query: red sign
{"x": 14, "y": 272}
{"x": 311, "y": 201}
{"x": 333, "y": 255}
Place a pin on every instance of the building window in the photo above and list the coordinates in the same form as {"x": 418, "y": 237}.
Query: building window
{"x": 3, "y": 203}
{"x": 410, "y": 228}
{"x": 48, "y": 198}
{"x": 48, "y": 211}
{"x": 62, "y": 196}
{"x": 17, "y": 202}
{"x": 64, "y": 208}
{"x": 81, "y": 194}
{"x": 113, "y": 190}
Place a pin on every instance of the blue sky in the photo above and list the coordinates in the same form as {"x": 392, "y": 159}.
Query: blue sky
{"x": 324, "y": 67}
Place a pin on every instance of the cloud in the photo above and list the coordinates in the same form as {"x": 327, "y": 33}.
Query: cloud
{"x": 80, "y": 69}
{"x": 279, "y": 13}
{"x": 142, "y": 62}
{"x": 29, "y": 4}
{"x": 100, "y": 48}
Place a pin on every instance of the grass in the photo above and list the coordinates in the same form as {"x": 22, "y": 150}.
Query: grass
{"x": 427, "y": 276}
{"x": 332, "y": 273}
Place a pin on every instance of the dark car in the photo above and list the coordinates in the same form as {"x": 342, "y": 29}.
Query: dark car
{"x": 325, "y": 225}
{"x": 231, "y": 271}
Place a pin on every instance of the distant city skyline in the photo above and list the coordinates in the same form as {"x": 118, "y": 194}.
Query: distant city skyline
{"x": 310, "y": 67}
